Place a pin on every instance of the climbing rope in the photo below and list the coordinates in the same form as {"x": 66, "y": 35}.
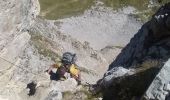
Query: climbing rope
{"x": 21, "y": 67}
{"x": 86, "y": 84}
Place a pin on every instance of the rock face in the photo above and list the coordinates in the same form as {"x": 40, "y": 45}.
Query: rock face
{"x": 148, "y": 49}
{"x": 14, "y": 17}
{"x": 20, "y": 61}
{"x": 160, "y": 87}
{"x": 29, "y": 44}
{"x": 151, "y": 41}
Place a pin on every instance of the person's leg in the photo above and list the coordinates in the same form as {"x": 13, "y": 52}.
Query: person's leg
{"x": 54, "y": 76}
{"x": 79, "y": 79}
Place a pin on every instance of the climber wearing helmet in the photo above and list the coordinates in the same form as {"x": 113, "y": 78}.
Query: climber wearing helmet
{"x": 67, "y": 65}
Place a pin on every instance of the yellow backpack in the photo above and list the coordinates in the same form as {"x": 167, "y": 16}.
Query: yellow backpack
{"x": 74, "y": 70}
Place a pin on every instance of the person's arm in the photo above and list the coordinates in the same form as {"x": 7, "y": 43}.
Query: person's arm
{"x": 77, "y": 78}
{"x": 51, "y": 67}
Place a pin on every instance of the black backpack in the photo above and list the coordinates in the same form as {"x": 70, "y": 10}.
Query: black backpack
{"x": 68, "y": 58}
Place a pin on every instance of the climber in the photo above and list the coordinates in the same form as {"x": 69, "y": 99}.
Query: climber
{"x": 67, "y": 65}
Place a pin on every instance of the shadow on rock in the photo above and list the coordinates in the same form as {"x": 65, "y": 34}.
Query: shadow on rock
{"x": 130, "y": 87}
{"x": 151, "y": 43}
{"x": 32, "y": 88}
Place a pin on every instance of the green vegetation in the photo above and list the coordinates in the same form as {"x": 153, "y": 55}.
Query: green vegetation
{"x": 55, "y": 9}
{"x": 41, "y": 44}
{"x": 138, "y": 4}
{"x": 144, "y": 13}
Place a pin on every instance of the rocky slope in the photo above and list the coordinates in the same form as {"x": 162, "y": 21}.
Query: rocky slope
{"x": 159, "y": 89}
{"x": 14, "y": 18}
{"x": 146, "y": 54}
{"x": 29, "y": 44}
